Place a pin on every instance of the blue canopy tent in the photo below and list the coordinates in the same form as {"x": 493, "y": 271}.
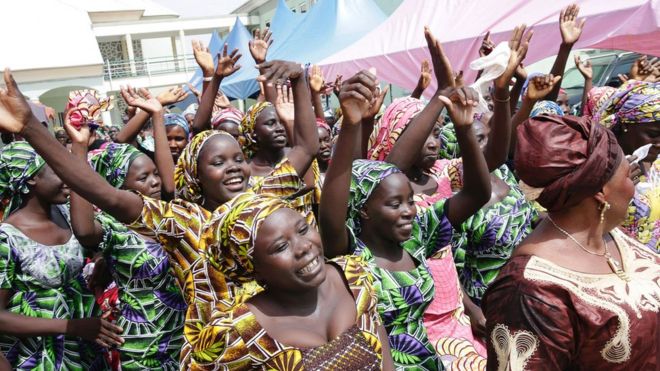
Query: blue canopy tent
{"x": 215, "y": 46}
{"x": 328, "y": 27}
{"x": 239, "y": 38}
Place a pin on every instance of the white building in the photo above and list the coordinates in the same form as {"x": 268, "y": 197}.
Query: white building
{"x": 55, "y": 46}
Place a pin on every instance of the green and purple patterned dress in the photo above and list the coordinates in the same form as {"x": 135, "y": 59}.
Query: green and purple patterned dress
{"x": 486, "y": 240}
{"x": 45, "y": 282}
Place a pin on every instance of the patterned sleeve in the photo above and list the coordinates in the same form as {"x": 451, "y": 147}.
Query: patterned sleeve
{"x": 7, "y": 263}
{"x": 528, "y": 329}
{"x": 283, "y": 182}
{"x": 220, "y": 344}
{"x": 454, "y": 171}
{"x": 435, "y": 230}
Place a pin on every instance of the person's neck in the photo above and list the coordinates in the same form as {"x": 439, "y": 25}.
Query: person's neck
{"x": 415, "y": 174}
{"x": 302, "y": 302}
{"x": 379, "y": 245}
{"x": 36, "y": 210}
{"x": 323, "y": 166}
{"x": 587, "y": 230}
{"x": 210, "y": 205}
{"x": 268, "y": 157}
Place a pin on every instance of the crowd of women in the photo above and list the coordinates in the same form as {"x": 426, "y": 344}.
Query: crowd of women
{"x": 481, "y": 229}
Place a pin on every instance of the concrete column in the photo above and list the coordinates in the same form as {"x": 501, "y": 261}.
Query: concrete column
{"x": 182, "y": 43}
{"x": 131, "y": 55}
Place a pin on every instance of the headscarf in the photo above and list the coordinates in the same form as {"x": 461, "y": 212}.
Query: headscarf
{"x": 235, "y": 225}
{"x": 596, "y": 98}
{"x": 19, "y": 162}
{"x": 190, "y": 110}
{"x": 389, "y": 127}
{"x": 320, "y": 123}
{"x": 568, "y": 157}
{"x": 635, "y": 102}
{"x": 366, "y": 175}
{"x": 546, "y": 107}
{"x": 186, "y": 181}
{"x": 113, "y": 162}
{"x": 227, "y": 114}
{"x": 173, "y": 119}
{"x": 247, "y": 127}
{"x": 449, "y": 148}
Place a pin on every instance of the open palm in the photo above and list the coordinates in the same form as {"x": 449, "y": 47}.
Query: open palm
{"x": 259, "y": 45}
{"x": 15, "y": 112}
{"x": 203, "y": 57}
{"x": 569, "y": 26}
{"x": 540, "y": 86}
{"x": 227, "y": 62}
{"x": 144, "y": 100}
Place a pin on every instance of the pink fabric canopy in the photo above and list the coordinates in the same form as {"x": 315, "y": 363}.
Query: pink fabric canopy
{"x": 397, "y": 46}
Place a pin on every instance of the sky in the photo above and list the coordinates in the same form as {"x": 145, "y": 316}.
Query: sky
{"x": 201, "y": 8}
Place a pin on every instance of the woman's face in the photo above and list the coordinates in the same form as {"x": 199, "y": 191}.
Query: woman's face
{"x": 325, "y": 145}
{"x": 143, "y": 177}
{"x": 618, "y": 191}
{"x": 222, "y": 169}
{"x": 230, "y": 127}
{"x": 390, "y": 208}
{"x": 637, "y": 135}
{"x": 429, "y": 153}
{"x": 288, "y": 254}
{"x": 47, "y": 186}
{"x": 481, "y": 131}
{"x": 269, "y": 133}
{"x": 562, "y": 101}
{"x": 176, "y": 139}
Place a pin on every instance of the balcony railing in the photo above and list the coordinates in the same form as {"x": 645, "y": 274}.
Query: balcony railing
{"x": 121, "y": 69}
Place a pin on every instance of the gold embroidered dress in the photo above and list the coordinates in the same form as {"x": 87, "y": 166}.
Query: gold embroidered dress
{"x": 544, "y": 317}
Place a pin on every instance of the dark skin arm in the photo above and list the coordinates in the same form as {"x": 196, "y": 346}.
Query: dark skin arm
{"x": 316, "y": 85}
{"x": 516, "y": 90}
{"x": 204, "y": 60}
{"x": 355, "y": 97}
{"x": 16, "y": 117}
{"x": 424, "y": 80}
{"x": 261, "y": 41}
{"x": 386, "y": 353}
{"x": 306, "y": 136}
{"x": 570, "y": 30}
{"x": 226, "y": 67}
{"x": 587, "y": 72}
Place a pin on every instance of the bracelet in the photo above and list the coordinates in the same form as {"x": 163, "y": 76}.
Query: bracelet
{"x": 508, "y": 99}
{"x": 207, "y": 79}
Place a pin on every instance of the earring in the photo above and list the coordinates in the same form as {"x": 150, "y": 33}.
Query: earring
{"x": 625, "y": 129}
{"x": 606, "y": 206}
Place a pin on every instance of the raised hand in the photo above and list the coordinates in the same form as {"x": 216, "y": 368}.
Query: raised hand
{"x": 584, "y": 67}
{"x": 96, "y": 330}
{"x": 540, "y": 86}
{"x": 284, "y": 103}
{"x": 227, "y": 62}
{"x": 487, "y": 45}
{"x": 521, "y": 73}
{"x": 259, "y": 45}
{"x": 203, "y": 58}
{"x": 78, "y": 136}
{"x": 141, "y": 99}
{"x": 15, "y": 111}
{"x": 425, "y": 76}
{"x": 279, "y": 72}
{"x": 172, "y": 95}
{"x": 443, "y": 70}
{"x": 356, "y": 96}
{"x": 644, "y": 69}
{"x": 623, "y": 78}
{"x": 569, "y": 26}
{"x": 519, "y": 43}
{"x": 337, "y": 85}
{"x": 460, "y": 103}
{"x": 194, "y": 91}
{"x": 316, "y": 80}
{"x": 374, "y": 107}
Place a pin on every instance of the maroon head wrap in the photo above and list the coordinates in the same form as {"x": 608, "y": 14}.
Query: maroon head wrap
{"x": 567, "y": 156}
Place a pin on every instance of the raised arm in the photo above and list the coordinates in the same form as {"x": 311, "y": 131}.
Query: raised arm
{"x": 497, "y": 149}
{"x": 163, "y": 157}
{"x": 587, "y": 72}
{"x": 355, "y": 97}
{"x": 259, "y": 45}
{"x": 516, "y": 90}
{"x": 424, "y": 80}
{"x": 316, "y": 83}
{"x": 306, "y": 137}
{"x": 204, "y": 60}
{"x": 86, "y": 229}
{"x": 570, "y": 29}
{"x": 476, "y": 178}
{"x": 486, "y": 48}
{"x": 226, "y": 67}
{"x": 16, "y": 117}
{"x": 368, "y": 122}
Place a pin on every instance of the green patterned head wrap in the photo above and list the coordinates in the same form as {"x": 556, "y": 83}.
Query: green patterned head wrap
{"x": 449, "y": 149}
{"x": 366, "y": 175}
{"x": 113, "y": 162}
{"x": 19, "y": 162}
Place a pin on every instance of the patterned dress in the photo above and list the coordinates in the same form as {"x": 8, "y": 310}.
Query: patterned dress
{"x": 151, "y": 304}
{"x": 541, "y": 316}
{"x": 242, "y": 344}
{"x": 179, "y": 227}
{"x": 485, "y": 241}
{"x": 643, "y": 222}
{"x": 404, "y": 296}
{"x": 45, "y": 282}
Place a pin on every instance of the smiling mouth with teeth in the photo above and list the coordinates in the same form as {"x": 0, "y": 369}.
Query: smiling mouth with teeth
{"x": 309, "y": 267}
{"x": 234, "y": 181}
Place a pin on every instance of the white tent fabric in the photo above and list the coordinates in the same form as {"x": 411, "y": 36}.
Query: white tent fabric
{"x": 397, "y": 47}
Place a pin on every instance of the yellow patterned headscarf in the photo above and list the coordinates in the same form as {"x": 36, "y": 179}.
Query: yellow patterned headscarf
{"x": 186, "y": 180}
{"x": 635, "y": 102}
{"x": 234, "y": 227}
{"x": 247, "y": 128}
